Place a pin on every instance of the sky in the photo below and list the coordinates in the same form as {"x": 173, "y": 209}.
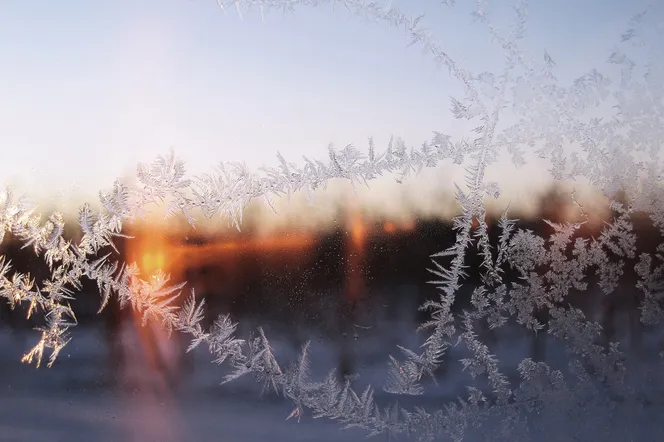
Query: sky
{"x": 88, "y": 89}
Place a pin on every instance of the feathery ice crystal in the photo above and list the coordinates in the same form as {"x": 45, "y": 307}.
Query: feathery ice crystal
{"x": 617, "y": 154}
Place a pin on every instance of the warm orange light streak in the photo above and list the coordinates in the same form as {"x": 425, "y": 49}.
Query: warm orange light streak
{"x": 182, "y": 256}
{"x": 392, "y": 227}
{"x": 285, "y": 242}
{"x": 355, "y": 250}
{"x": 358, "y": 232}
{"x": 156, "y": 416}
{"x": 408, "y": 225}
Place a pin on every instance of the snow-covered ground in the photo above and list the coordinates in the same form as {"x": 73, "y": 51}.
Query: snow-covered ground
{"x": 76, "y": 400}
{"x": 80, "y": 400}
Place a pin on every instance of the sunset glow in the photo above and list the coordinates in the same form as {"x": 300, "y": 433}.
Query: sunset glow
{"x": 157, "y": 363}
{"x": 355, "y": 251}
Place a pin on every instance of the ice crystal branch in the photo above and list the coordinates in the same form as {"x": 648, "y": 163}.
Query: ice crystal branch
{"x": 616, "y": 153}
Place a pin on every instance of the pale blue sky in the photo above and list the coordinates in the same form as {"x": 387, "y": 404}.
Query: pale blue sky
{"x": 90, "y": 88}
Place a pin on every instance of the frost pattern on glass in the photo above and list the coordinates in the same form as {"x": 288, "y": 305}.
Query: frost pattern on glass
{"x": 618, "y": 155}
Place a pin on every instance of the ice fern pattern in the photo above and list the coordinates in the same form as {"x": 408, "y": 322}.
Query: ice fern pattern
{"x": 522, "y": 275}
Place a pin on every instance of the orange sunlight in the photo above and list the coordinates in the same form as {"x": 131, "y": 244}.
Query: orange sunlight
{"x": 153, "y": 414}
{"x": 355, "y": 251}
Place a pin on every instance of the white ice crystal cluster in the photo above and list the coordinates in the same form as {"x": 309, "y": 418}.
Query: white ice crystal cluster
{"x": 618, "y": 154}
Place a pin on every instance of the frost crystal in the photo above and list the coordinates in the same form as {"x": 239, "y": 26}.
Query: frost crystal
{"x": 527, "y": 277}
